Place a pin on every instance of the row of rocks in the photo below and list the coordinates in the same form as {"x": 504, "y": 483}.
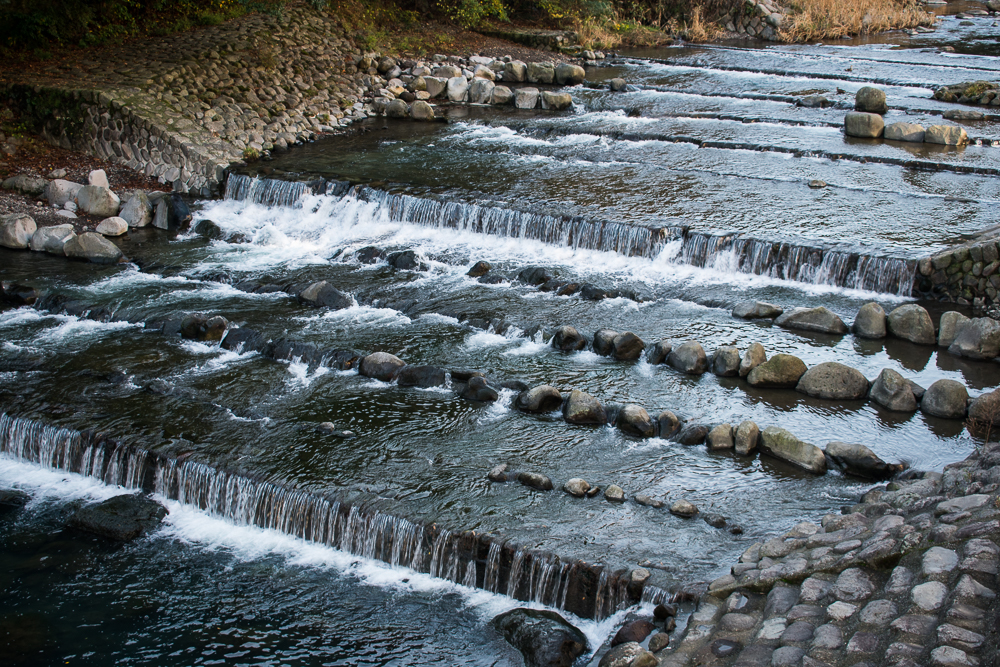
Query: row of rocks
{"x": 968, "y": 274}
{"x": 761, "y": 19}
{"x": 983, "y": 93}
{"x": 866, "y": 122}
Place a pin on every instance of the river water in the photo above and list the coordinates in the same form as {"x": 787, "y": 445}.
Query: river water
{"x": 690, "y": 193}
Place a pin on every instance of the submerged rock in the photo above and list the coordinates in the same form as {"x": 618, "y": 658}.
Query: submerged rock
{"x": 480, "y": 268}
{"x": 420, "y": 376}
{"x": 13, "y": 499}
{"x": 781, "y": 444}
{"x": 860, "y": 461}
{"x": 544, "y": 638}
{"x": 780, "y": 371}
{"x": 834, "y": 381}
{"x": 122, "y": 518}
{"x": 913, "y": 323}
{"x": 892, "y": 391}
{"x": 535, "y": 480}
{"x": 324, "y": 295}
{"x": 478, "y": 389}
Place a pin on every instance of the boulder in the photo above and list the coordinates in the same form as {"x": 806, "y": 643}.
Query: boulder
{"x": 502, "y": 96}
{"x": 726, "y": 361}
{"x": 614, "y": 494}
{"x": 59, "y": 191}
{"x": 870, "y": 321}
{"x": 833, "y": 381}
{"x": 945, "y": 398}
{"x": 380, "y": 366}
{"x": 480, "y": 268}
{"x": 543, "y": 637}
{"x": 421, "y": 110}
{"x": 16, "y": 230}
{"x": 93, "y": 248}
{"x": 658, "y": 352}
{"x": 420, "y": 376}
{"x": 52, "y": 239}
{"x": 526, "y": 98}
{"x": 634, "y": 420}
{"x": 757, "y": 310}
{"x": 576, "y": 487}
{"x": 603, "y": 341}
{"x": 859, "y": 461}
{"x": 946, "y": 135}
{"x": 618, "y": 85}
{"x": 98, "y": 201}
{"x": 817, "y": 319}
{"x": 324, "y": 295}
{"x": 479, "y": 389}
{"x": 720, "y": 437}
{"x": 977, "y": 338}
{"x": 534, "y": 480}
{"x": 484, "y": 72}
{"x": 481, "y": 91}
{"x": 435, "y": 86}
{"x": 948, "y": 327}
{"x": 556, "y": 101}
{"x": 568, "y": 339}
{"x": 779, "y": 443}
{"x": 864, "y": 125}
{"x": 121, "y": 518}
{"x": 541, "y": 73}
{"x": 689, "y": 358}
{"x": 99, "y": 178}
{"x": 515, "y": 71}
{"x": 534, "y": 275}
{"x": 667, "y": 424}
{"x": 543, "y": 398}
{"x": 627, "y": 347}
{"x": 780, "y": 371}
{"x": 985, "y": 409}
{"x": 692, "y": 434}
{"x": 33, "y": 186}
{"x": 892, "y": 391}
{"x": 913, "y": 323}
{"x": 570, "y": 75}
{"x": 113, "y": 226}
{"x": 582, "y": 408}
{"x": 407, "y": 260}
{"x": 752, "y": 358}
{"x": 397, "y": 109}
{"x": 458, "y": 89}
{"x": 648, "y": 501}
{"x": 209, "y": 230}
{"x": 905, "y": 132}
{"x": 498, "y": 473}
{"x": 747, "y": 436}
{"x": 683, "y": 508}
{"x": 13, "y": 499}
{"x": 870, "y": 100}
{"x": 635, "y": 631}
{"x": 386, "y": 64}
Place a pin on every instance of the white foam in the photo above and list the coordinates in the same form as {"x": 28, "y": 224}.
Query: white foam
{"x": 300, "y": 377}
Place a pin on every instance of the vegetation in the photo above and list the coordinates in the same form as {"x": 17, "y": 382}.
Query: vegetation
{"x": 819, "y": 19}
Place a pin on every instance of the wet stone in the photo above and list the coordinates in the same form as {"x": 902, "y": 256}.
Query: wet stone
{"x": 806, "y": 612}
{"x": 829, "y": 637}
{"x": 735, "y": 622}
{"x": 938, "y": 560}
{"x": 878, "y": 613}
{"x": 787, "y": 656}
{"x": 798, "y": 632}
{"x": 780, "y": 600}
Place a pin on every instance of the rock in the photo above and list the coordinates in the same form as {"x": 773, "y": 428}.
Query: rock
{"x": 556, "y": 101}
{"x": 481, "y": 91}
{"x": 905, "y": 132}
{"x": 603, "y": 341}
{"x": 576, "y": 487}
{"x": 757, "y": 310}
{"x": 568, "y": 339}
{"x": 871, "y": 100}
{"x": 963, "y": 114}
{"x": 659, "y": 352}
{"x": 397, "y": 108}
{"x": 52, "y": 239}
{"x": 658, "y": 642}
{"x": 859, "y": 461}
{"x": 692, "y": 434}
{"x": 93, "y": 248}
{"x": 98, "y": 201}
{"x": 534, "y": 480}
{"x": 582, "y": 408}
{"x": 385, "y": 64}
{"x": 113, "y": 226}
{"x": 985, "y": 409}
{"x": 59, "y": 191}
{"x": 209, "y": 230}
{"x": 948, "y": 327}
{"x": 814, "y": 102}
{"x": 25, "y": 185}
{"x": 892, "y": 391}
{"x": 13, "y": 499}
{"x": 812, "y": 319}
{"x": 634, "y": 420}
{"x": 420, "y": 376}
{"x": 929, "y": 596}
{"x": 502, "y": 96}
{"x": 817, "y": 184}
{"x": 864, "y": 125}
{"x": 380, "y": 366}
{"x": 16, "y": 230}
{"x": 689, "y": 358}
{"x": 324, "y": 295}
{"x": 870, "y": 321}
{"x": 498, "y": 473}
{"x": 435, "y": 86}
{"x": 458, "y": 89}
{"x": 515, "y": 70}
{"x": 945, "y": 398}
{"x": 683, "y": 508}
{"x": 913, "y": 323}
{"x": 720, "y": 437}
{"x": 478, "y": 389}
{"x": 534, "y": 275}
{"x": 570, "y": 75}
{"x": 635, "y": 631}
{"x": 421, "y": 110}
{"x": 780, "y": 371}
{"x": 484, "y": 72}
{"x": 833, "y": 381}
{"x": 726, "y": 362}
{"x": 627, "y": 347}
{"x": 480, "y": 268}
{"x": 977, "y": 338}
{"x": 592, "y": 292}
{"x": 614, "y": 493}
{"x": 541, "y": 73}
{"x": 161, "y": 219}
{"x": 648, "y": 501}
{"x": 752, "y": 358}
{"x": 526, "y": 98}
{"x": 667, "y": 424}
{"x": 99, "y": 178}
{"x": 617, "y": 85}
{"x": 407, "y": 260}
{"x": 122, "y": 518}
{"x": 747, "y": 436}
{"x": 782, "y": 444}
{"x": 543, "y": 398}
{"x": 946, "y": 135}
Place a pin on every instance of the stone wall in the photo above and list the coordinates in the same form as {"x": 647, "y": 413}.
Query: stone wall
{"x": 968, "y": 274}
{"x": 761, "y": 19}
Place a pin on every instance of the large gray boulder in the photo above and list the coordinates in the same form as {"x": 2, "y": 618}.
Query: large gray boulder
{"x": 746, "y": 438}
{"x": 948, "y": 327}
{"x": 780, "y": 371}
{"x": 634, "y": 420}
{"x": 752, "y": 358}
{"x": 121, "y": 518}
{"x": 946, "y": 135}
{"x": 603, "y": 341}
{"x": 137, "y": 211}
{"x": 985, "y": 410}
{"x": 812, "y": 319}
{"x": 860, "y": 461}
{"x": 582, "y": 408}
{"x": 913, "y": 323}
{"x": 324, "y": 295}
{"x": 421, "y": 110}
{"x": 570, "y": 75}
{"x": 97, "y": 201}
{"x": 726, "y": 362}
{"x": 543, "y": 398}
{"x": 556, "y": 101}
{"x": 420, "y": 376}
{"x": 52, "y": 239}
{"x": 945, "y": 398}
{"x": 870, "y": 100}
{"x": 458, "y": 89}
{"x": 977, "y": 338}
{"x": 541, "y": 73}
{"x": 113, "y": 226}
{"x": 93, "y": 248}
{"x": 863, "y": 125}
{"x": 911, "y": 132}
{"x": 16, "y": 231}
{"x": 481, "y": 91}
{"x": 667, "y": 424}
{"x": 380, "y": 366}
{"x": 32, "y": 186}
{"x": 870, "y": 321}
{"x": 627, "y": 347}
{"x": 543, "y": 637}
{"x": 526, "y": 98}
{"x": 435, "y": 85}
{"x": 779, "y": 443}
{"x": 568, "y": 339}
{"x": 60, "y": 191}
{"x": 658, "y": 352}
{"x": 892, "y": 391}
{"x": 757, "y": 310}
{"x": 720, "y": 437}
{"x": 689, "y": 358}
{"x": 502, "y": 96}
{"x": 515, "y": 71}
{"x": 834, "y": 381}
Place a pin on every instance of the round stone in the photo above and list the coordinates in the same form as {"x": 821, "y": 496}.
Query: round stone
{"x": 929, "y": 596}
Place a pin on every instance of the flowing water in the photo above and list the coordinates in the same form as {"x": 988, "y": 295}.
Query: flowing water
{"x": 688, "y": 193}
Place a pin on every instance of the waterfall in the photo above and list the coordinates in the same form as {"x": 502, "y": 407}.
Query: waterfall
{"x": 468, "y": 558}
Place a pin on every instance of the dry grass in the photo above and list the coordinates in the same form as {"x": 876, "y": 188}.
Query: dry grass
{"x": 824, "y": 19}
